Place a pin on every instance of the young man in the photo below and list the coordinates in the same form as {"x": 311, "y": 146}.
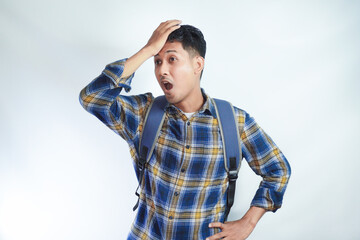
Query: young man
{"x": 183, "y": 191}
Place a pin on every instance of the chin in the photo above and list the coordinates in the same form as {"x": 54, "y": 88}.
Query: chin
{"x": 171, "y": 99}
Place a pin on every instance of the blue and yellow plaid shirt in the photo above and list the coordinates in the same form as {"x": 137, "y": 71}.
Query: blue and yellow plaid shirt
{"x": 185, "y": 182}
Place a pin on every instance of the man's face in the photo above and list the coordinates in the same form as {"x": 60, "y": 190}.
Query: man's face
{"x": 177, "y": 73}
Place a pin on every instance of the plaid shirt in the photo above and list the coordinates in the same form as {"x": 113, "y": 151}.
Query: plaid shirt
{"x": 185, "y": 183}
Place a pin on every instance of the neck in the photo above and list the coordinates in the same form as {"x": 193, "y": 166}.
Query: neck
{"x": 192, "y": 103}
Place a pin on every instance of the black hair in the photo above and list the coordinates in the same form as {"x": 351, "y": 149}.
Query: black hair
{"x": 191, "y": 38}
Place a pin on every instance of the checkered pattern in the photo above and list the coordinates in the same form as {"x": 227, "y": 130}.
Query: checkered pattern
{"x": 185, "y": 183}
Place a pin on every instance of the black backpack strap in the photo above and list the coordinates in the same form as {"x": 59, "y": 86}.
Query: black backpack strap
{"x": 231, "y": 145}
{"x": 152, "y": 125}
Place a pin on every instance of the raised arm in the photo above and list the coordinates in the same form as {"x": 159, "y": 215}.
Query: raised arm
{"x": 102, "y": 98}
{"x": 153, "y": 46}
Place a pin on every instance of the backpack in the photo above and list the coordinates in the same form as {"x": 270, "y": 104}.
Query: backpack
{"x": 229, "y": 134}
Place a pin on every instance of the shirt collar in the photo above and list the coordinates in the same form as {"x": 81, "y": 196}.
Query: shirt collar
{"x": 207, "y": 108}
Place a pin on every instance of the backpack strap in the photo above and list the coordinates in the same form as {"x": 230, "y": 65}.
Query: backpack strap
{"x": 229, "y": 134}
{"x": 231, "y": 145}
{"x": 148, "y": 139}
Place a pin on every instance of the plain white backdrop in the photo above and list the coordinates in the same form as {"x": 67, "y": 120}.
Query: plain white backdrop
{"x": 293, "y": 65}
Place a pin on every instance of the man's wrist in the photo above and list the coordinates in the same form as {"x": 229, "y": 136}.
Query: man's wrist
{"x": 253, "y": 215}
{"x": 147, "y": 51}
{"x": 135, "y": 61}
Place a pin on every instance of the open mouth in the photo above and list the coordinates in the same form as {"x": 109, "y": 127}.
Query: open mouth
{"x": 168, "y": 86}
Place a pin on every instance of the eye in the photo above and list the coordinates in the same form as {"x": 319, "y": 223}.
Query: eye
{"x": 172, "y": 59}
{"x": 157, "y": 62}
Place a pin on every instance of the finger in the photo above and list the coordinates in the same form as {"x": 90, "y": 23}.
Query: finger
{"x": 170, "y": 27}
{"x": 165, "y": 32}
{"x": 216, "y": 236}
{"x": 170, "y": 21}
{"x": 165, "y": 25}
{"x": 174, "y": 21}
{"x": 216, "y": 224}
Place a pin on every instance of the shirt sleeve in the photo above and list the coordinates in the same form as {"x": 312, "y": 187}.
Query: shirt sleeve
{"x": 266, "y": 160}
{"x": 102, "y": 98}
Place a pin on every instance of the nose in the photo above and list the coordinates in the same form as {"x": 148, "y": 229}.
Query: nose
{"x": 163, "y": 69}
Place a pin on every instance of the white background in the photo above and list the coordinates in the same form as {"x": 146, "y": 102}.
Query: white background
{"x": 293, "y": 65}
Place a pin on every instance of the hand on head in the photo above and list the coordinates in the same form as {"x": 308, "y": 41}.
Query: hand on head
{"x": 160, "y": 35}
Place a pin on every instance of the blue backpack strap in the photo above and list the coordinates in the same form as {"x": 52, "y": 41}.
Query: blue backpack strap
{"x": 231, "y": 145}
{"x": 152, "y": 125}
{"x": 228, "y": 129}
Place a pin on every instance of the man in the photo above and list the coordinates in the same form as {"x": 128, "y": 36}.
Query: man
{"x": 183, "y": 192}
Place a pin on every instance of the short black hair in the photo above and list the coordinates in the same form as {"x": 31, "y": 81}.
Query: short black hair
{"x": 191, "y": 38}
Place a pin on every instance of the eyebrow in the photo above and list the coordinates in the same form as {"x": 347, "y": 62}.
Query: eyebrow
{"x": 168, "y": 51}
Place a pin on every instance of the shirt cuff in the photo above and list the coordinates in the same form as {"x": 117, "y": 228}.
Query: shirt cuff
{"x": 267, "y": 199}
{"x": 114, "y": 71}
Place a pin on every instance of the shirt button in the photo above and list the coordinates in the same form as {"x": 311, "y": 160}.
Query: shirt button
{"x": 176, "y": 193}
{"x": 183, "y": 170}
{"x": 187, "y": 146}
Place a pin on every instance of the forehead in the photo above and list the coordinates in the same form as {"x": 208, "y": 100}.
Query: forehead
{"x": 171, "y": 47}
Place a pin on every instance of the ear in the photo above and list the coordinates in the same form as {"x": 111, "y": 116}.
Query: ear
{"x": 198, "y": 62}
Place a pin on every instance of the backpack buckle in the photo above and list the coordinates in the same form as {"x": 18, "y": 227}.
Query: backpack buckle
{"x": 233, "y": 175}
{"x": 141, "y": 165}
{"x": 142, "y": 159}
